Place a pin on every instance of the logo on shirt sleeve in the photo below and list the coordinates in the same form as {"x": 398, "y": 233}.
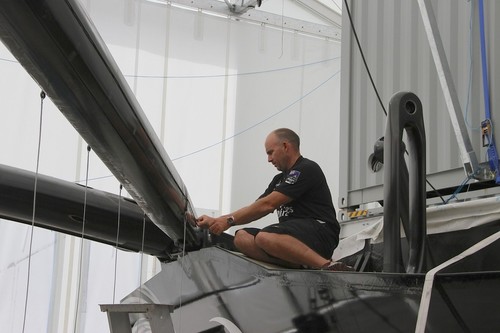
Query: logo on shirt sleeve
{"x": 292, "y": 177}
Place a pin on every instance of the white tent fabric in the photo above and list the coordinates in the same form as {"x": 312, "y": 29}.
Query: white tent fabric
{"x": 212, "y": 87}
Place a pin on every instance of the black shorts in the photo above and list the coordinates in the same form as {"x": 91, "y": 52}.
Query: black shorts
{"x": 319, "y": 236}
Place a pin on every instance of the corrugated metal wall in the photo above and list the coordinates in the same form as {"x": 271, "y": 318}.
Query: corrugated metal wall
{"x": 396, "y": 49}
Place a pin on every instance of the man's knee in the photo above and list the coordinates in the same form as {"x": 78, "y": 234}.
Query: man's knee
{"x": 265, "y": 239}
{"x": 242, "y": 239}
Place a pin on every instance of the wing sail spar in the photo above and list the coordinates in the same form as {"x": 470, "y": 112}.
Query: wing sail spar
{"x": 58, "y": 45}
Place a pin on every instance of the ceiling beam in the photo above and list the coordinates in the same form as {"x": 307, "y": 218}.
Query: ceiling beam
{"x": 323, "y": 11}
{"x": 259, "y": 16}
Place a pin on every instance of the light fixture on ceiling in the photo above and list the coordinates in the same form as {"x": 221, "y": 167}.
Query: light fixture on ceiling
{"x": 241, "y": 6}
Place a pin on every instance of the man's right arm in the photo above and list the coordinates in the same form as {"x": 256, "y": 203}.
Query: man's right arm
{"x": 259, "y": 208}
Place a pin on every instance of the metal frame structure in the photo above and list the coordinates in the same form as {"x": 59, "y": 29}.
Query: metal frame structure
{"x": 157, "y": 315}
{"x": 261, "y": 17}
{"x": 438, "y": 73}
{"x": 469, "y": 159}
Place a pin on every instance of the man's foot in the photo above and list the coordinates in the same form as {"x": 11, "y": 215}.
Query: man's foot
{"x": 337, "y": 266}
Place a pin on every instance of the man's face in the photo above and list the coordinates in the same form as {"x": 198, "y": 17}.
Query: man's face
{"x": 276, "y": 152}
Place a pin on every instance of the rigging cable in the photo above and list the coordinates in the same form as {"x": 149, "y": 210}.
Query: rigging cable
{"x": 251, "y": 126}
{"x": 487, "y": 124}
{"x": 143, "y": 76}
{"x": 259, "y": 122}
{"x": 42, "y": 97}
{"x": 248, "y": 128}
{"x": 186, "y": 221}
{"x": 363, "y": 57}
{"x": 82, "y": 241}
{"x": 117, "y": 239}
{"x": 142, "y": 255}
{"x": 469, "y": 84}
{"x": 9, "y": 60}
{"x": 459, "y": 188}
{"x": 373, "y": 83}
{"x": 230, "y": 75}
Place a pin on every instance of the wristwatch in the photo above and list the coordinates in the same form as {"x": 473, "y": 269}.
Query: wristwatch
{"x": 230, "y": 221}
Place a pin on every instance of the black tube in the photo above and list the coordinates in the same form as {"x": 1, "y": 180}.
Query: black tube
{"x": 60, "y": 205}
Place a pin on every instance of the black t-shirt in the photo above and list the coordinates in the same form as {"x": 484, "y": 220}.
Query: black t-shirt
{"x": 306, "y": 184}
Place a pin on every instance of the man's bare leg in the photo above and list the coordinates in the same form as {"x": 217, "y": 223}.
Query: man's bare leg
{"x": 269, "y": 247}
{"x": 289, "y": 249}
{"x": 245, "y": 243}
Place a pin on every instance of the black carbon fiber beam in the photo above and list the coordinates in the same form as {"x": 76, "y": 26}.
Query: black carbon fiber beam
{"x": 60, "y": 205}
{"x": 55, "y": 41}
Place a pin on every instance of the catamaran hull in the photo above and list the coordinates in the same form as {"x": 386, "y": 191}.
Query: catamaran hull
{"x": 213, "y": 283}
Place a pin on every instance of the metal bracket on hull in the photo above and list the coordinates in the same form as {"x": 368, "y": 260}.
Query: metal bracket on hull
{"x": 157, "y": 315}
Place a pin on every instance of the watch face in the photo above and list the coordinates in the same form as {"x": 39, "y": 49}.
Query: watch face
{"x": 230, "y": 220}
